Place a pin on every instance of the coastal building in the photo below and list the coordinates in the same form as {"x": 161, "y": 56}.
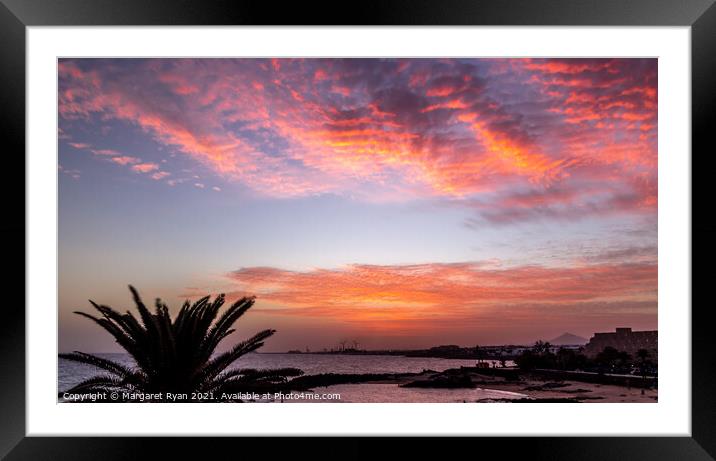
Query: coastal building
{"x": 624, "y": 339}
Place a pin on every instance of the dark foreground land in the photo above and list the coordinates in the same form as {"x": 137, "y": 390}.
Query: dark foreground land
{"x": 537, "y": 385}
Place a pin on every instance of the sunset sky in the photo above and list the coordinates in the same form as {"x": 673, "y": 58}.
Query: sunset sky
{"x": 400, "y": 203}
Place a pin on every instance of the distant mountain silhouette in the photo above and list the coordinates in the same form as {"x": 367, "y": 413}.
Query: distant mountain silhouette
{"x": 568, "y": 338}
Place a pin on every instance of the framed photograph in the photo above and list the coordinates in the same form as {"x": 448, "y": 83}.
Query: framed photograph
{"x": 464, "y": 218}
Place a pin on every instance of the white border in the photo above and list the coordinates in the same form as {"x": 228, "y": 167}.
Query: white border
{"x": 670, "y": 416}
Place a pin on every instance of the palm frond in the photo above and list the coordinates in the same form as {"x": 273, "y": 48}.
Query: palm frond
{"x": 99, "y": 362}
{"x": 177, "y": 355}
{"x": 221, "y": 327}
{"x": 129, "y": 344}
{"x": 277, "y": 373}
{"x": 222, "y": 361}
{"x": 144, "y": 313}
{"x": 97, "y": 384}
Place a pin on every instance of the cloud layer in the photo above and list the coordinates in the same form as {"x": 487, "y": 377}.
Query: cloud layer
{"x": 414, "y": 298}
{"x": 513, "y": 140}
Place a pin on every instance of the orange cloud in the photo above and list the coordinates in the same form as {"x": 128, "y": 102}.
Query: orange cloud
{"x": 382, "y": 297}
{"x": 452, "y": 104}
{"x": 440, "y": 91}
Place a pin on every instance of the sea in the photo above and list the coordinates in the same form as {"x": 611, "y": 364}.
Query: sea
{"x": 71, "y": 373}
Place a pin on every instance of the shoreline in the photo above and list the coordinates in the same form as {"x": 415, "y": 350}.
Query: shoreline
{"x": 528, "y": 387}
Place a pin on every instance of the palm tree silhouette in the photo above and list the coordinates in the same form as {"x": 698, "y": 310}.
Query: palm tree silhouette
{"x": 177, "y": 356}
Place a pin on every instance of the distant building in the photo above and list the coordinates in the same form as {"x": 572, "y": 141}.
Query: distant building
{"x": 624, "y": 340}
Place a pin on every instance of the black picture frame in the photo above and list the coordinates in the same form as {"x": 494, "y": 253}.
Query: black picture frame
{"x": 17, "y": 15}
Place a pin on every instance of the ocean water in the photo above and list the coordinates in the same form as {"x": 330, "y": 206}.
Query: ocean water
{"x": 71, "y": 373}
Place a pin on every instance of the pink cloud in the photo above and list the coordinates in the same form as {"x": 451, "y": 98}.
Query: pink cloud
{"x": 159, "y": 175}
{"x": 125, "y": 160}
{"x": 145, "y": 167}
